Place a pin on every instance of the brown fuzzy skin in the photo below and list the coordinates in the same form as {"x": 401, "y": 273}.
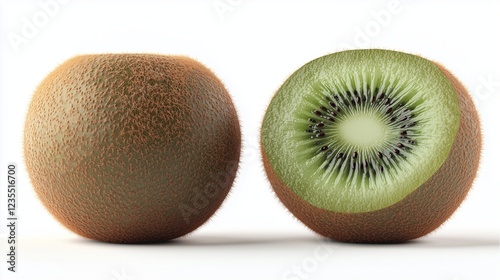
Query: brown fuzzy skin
{"x": 132, "y": 148}
{"x": 416, "y": 215}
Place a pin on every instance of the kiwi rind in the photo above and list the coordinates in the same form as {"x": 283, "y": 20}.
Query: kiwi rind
{"x": 418, "y": 213}
{"x": 117, "y": 144}
{"x": 361, "y": 71}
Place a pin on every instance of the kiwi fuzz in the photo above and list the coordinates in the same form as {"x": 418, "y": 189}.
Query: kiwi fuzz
{"x": 132, "y": 148}
{"x": 417, "y": 213}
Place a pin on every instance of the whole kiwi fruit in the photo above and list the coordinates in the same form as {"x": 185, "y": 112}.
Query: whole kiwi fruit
{"x": 371, "y": 146}
{"x": 131, "y": 148}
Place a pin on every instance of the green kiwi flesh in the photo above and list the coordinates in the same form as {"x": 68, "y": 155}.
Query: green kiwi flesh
{"x": 131, "y": 148}
{"x": 351, "y": 135}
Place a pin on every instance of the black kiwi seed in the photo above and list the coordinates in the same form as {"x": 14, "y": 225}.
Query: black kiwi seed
{"x": 354, "y": 100}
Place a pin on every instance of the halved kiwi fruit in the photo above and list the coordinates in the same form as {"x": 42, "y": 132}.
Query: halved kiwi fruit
{"x": 371, "y": 145}
{"x": 132, "y": 148}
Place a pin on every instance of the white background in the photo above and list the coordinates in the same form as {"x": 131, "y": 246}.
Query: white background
{"x": 252, "y": 46}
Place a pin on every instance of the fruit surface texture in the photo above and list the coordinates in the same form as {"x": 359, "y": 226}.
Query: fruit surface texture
{"x": 371, "y": 146}
{"x": 131, "y": 148}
